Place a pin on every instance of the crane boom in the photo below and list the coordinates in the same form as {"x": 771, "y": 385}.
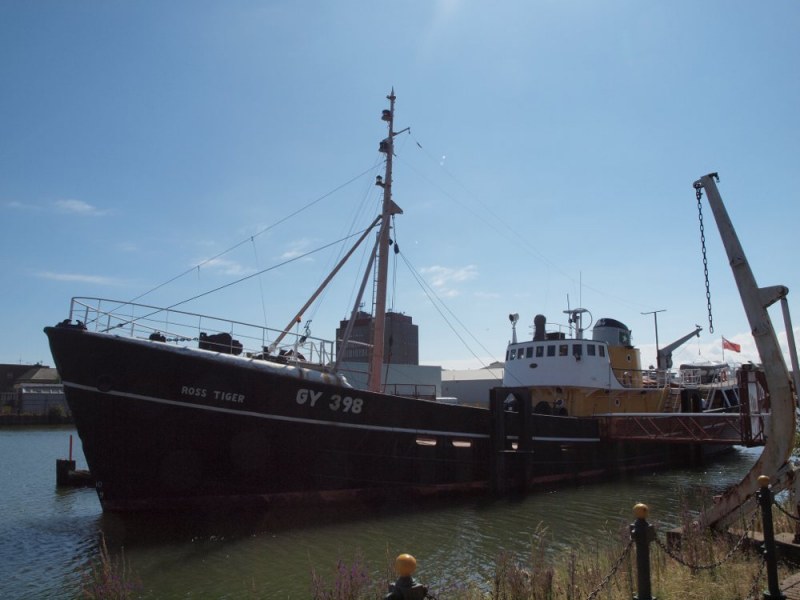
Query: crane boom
{"x": 664, "y": 355}
{"x": 755, "y": 300}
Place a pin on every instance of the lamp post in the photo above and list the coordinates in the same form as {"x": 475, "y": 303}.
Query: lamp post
{"x": 655, "y": 319}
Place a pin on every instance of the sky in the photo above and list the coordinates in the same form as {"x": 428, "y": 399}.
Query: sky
{"x": 549, "y": 162}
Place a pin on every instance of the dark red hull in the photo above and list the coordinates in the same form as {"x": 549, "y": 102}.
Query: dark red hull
{"x": 171, "y": 428}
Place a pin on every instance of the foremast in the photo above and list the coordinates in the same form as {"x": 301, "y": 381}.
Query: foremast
{"x": 389, "y": 209}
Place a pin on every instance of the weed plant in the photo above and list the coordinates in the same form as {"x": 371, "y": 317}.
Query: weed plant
{"x": 109, "y": 578}
{"x": 594, "y": 572}
{"x": 605, "y": 572}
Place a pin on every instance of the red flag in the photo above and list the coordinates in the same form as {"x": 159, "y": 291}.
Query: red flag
{"x": 726, "y": 345}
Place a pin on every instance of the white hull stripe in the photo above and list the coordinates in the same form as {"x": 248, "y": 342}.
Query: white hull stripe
{"x": 248, "y": 413}
{"x": 538, "y": 438}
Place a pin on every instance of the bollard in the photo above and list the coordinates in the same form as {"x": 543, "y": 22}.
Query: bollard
{"x": 770, "y": 556}
{"x": 63, "y": 469}
{"x": 406, "y": 588}
{"x": 642, "y": 533}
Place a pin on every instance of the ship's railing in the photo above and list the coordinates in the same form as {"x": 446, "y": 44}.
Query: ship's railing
{"x": 690, "y": 376}
{"x": 699, "y": 375}
{"x": 411, "y": 390}
{"x": 632, "y": 378}
{"x": 184, "y": 328}
{"x": 637, "y": 378}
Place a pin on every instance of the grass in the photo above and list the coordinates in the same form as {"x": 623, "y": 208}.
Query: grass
{"x": 109, "y": 578}
{"x": 604, "y": 573}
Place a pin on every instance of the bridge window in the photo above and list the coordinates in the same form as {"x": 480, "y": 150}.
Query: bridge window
{"x": 539, "y": 351}
{"x": 563, "y": 349}
{"x": 529, "y": 352}
{"x": 590, "y": 349}
{"x": 601, "y": 350}
{"x": 513, "y": 354}
{"x": 577, "y": 350}
{"x": 551, "y": 350}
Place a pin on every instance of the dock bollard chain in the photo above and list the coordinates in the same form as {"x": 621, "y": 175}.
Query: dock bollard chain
{"x": 757, "y": 580}
{"x": 679, "y": 559}
{"x": 784, "y": 511}
{"x": 614, "y": 568}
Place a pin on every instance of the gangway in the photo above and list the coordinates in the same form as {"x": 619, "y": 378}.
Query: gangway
{"x": 743, "y": 428}
{"x": 681, "y": 428}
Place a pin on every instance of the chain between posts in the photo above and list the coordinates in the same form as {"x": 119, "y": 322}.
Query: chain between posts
{"x": 615, "y": 567}
{"x": 714, "y": 565}
{"x": 699, "y": 193}
{"x": 784, "y": 511}
{"x": 757, "y": 580}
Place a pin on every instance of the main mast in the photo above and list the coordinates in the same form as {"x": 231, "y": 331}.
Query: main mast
{"x": 389, "y": 209}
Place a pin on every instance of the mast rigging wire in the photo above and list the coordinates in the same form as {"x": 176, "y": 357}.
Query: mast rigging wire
{"x": 252, "y": 237}
{"x": 428, "y": 291}
{"x": 245, "y": 278}
{"x": 525, "y": 241}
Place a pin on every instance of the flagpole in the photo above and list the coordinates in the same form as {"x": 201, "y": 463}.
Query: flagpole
{"x": 723, "y": 348}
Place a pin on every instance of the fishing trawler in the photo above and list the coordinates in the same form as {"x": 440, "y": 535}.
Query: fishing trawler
{"x": 177, "y": 410}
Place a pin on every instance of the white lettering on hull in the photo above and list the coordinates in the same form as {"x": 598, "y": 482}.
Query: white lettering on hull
{"x": 335, "y": 403}
{"x": 219, "y": 395}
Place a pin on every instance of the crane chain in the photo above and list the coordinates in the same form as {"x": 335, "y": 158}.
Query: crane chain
{"x": 699, "y": 193}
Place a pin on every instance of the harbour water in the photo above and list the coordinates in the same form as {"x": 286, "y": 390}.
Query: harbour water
{"x": 50, "y": 536}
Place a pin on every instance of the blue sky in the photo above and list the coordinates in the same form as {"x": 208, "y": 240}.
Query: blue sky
{"x": 551, "y": 157}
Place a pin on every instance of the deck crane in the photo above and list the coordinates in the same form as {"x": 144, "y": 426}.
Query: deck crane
{"x": 664, "y": 355}
{"x": 774, "y": 460}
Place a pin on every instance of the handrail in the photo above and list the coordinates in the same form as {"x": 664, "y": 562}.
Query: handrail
{"x": 181, "y": 327}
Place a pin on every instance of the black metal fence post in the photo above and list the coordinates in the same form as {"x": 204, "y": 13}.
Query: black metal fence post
{"x": 642, "y": 534}
{"x": 406, "y": 587}
{"x": 770, "y": 556}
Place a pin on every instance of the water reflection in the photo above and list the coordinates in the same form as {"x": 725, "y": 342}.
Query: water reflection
{"x": 49, "y": 536}
{"x": 218, "y": 554}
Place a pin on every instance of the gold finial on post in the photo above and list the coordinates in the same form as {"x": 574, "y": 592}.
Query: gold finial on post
{"x": 405, "y": 565}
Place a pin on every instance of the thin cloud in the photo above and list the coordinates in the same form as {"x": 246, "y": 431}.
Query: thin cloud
{"x": 444, "y": 280}
{"x": 296, "y": 249}
{"x": 128, "y": 247}
{"x": 79, "y": 278}
{"x": 78, "y": 207}
{"x": 487, "y": 295}
{"x": 16, "y": 205}
{"x": 227, "y": 267}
